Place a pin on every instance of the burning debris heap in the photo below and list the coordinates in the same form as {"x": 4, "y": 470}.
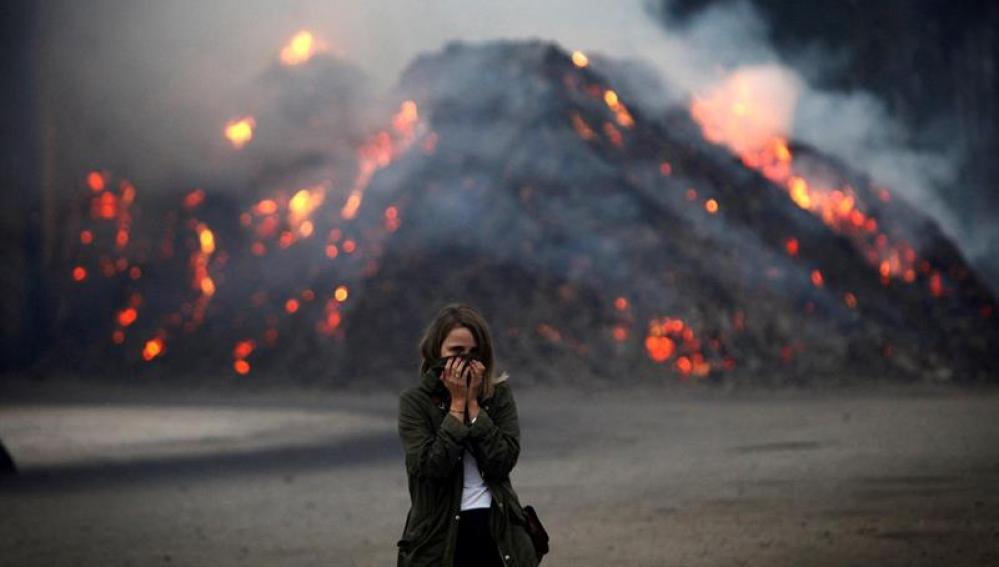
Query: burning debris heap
{"x": 600, "y": 237}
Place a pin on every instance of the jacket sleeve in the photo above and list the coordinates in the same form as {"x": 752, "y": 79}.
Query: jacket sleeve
{"x": 494, "y": 438}
{"x": 429, "y": 453}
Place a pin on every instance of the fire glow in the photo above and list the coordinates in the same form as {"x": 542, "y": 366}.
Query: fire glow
{"x": 215, "y": 275}
{"x": 750, "y": 114}
{"x": 239, "y": 132}
{"x": 668, "y": 336}
{"x": 300, "y": 48}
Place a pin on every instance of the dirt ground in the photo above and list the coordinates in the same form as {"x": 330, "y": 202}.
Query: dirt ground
{"x": 640, "y": 478}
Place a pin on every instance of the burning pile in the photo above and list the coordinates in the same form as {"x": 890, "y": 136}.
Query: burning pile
{"x": 599, "y": 237}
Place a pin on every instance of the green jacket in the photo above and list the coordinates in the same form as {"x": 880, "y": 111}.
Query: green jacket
{"x": 434, "y": 441}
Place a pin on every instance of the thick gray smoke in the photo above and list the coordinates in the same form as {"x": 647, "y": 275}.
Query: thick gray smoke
{"x": 146, "y": 86}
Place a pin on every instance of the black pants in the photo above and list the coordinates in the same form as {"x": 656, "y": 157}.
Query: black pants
{"x": 476, "y": 547}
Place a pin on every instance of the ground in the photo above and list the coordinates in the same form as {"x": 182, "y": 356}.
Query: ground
{"x": 648, "y": 477}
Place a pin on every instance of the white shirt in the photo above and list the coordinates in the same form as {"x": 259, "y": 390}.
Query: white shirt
{"x": 475, "y": 493}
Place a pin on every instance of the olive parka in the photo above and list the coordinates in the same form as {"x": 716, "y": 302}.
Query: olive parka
{"x": 434, "y": 441}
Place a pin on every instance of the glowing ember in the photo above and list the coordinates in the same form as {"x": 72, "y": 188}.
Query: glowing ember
{"x": 291, "y": 306}
{"x": 581, "y": 127}
{"x": 659, "y": 348}
{"x": 300, "y": 48}
{"x": 207, "y": 286}
{"x": 792, "y": 246}
{"x": 850, "y": 300}
{"x": 684, "y": 365}
{"x": 303, "y": 203}
{"x": 579, "y": 59}
{"x": 239, "y": 132}
{"x": 613, "y": 134}
{"x": 340, "y": 294}
{"x": 194, "y": 198}
{"x": 95, "y": 181}
{"x": 392, "y": 219}
{"x": 936, "y": 285}
{"x": 79, "y": 274}
{"x": 243, "y": 349}
{"x": 817, "y": 279}
{"x": 711, "y": 206}
{"x": 86, "y": 237}
{"x": 127, "y": 316}
{"x": 266, "y": 207}
{"x": 353, "y": 203}
{"x": 665, "y": 168}
{"x": 621, "y": 303}
{"x": 620, "y": 333}
{"x": 207, "y": 240}
{"x": 153, "y": 348}
{"x": 241, "y": 367}
{"x": 104, "y": 206}
{"x": 623, "y": 117}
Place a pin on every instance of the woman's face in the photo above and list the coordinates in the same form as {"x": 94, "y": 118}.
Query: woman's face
{"x": 458, "y": 341}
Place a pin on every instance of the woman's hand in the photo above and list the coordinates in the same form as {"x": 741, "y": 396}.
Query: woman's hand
{"x": 477, "y": 370}
{"x": 454, "y": 377}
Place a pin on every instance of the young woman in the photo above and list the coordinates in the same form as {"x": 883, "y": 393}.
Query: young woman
{"x": 460, "y": 433}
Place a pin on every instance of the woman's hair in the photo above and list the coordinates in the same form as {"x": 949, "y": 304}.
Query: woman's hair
{"x": 460, "y": 315}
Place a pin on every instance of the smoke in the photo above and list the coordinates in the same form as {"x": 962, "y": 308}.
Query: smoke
{"x": 147, "y": 86}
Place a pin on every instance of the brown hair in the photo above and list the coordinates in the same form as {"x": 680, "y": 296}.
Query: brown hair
{"x": 460, "y": 315}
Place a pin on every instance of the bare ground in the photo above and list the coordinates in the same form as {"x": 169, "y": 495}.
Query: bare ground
{"x": 643, "y": 478}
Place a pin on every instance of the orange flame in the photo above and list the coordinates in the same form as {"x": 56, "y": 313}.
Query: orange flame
{"x": 127, "y": 316}
{"x": 379, "y": 151}
{"x": 579, "y": 59}
{"x": 750, "y": 113}
{"x": 243, "y": 349}
{"x": 153, "y": 348}
{"x": 207, "y": 239}
{"x": 300, "y": 48}
{"x": 239, "y": 132}
{"x": 95, "y": 181}
{"x": 659, "y": 348}
{"x": 621, "y": 113}
{"x": 340, "y": 294}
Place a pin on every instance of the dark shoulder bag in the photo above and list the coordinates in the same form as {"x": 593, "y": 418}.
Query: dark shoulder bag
{"x": 539, "y": 537}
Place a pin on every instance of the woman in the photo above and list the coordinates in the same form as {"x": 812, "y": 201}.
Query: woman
{"x": 460, "y": 433}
